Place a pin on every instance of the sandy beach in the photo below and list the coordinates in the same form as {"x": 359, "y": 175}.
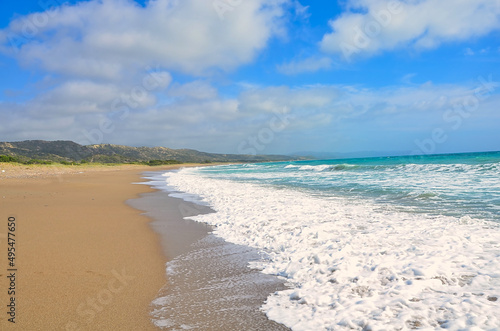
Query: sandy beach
{"x": 84, "y": 259}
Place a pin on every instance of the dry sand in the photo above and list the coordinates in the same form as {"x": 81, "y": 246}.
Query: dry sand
{"x": 85, "y": 260}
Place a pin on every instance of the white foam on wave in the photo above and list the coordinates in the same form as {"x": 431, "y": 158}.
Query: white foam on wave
{"x": 154, "y": 182}
{"x": 321, "y": 167}
{"x": 358, "y": 266}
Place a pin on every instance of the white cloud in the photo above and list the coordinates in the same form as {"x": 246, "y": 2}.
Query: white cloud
{"x": 311, "y": 64}
{"x": 275, "y": 98}
{"x": 372, "y": 26}
{"x": 316, "y": 114}
{"x": 300, "y": 10}
{"x": 469, "y": 52}
{"x": 195, "y": 90}
{"x": 406, "y": 79}
{"x": 80, "y": 97}
{"x": 108, "y": 38}
{"x": 73, "y": 97}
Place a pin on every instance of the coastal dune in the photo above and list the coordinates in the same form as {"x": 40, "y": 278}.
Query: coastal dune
{"x": 85, "y": 260}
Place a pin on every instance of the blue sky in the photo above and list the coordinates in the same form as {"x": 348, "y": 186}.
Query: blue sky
{"x": 254, "y": 76}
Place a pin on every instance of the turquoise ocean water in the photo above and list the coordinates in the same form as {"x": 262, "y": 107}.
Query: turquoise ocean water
{"x": 389, "y": 243}
{"x": 448, "y": 184}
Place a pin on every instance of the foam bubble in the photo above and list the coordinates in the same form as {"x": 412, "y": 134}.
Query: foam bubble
{"x": 320, "y": 167}
{"x": 355, "y": 265}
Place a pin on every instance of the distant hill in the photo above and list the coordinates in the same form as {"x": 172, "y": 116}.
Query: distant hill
{"x": 72, "y": 152}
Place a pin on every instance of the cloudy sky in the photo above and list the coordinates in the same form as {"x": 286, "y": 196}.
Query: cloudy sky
{"x": 254, "y": 76}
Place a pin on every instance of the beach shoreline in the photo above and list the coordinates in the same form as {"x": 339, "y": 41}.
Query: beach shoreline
{"x": 84, "y": 259}
{"x": 210, "y": 285}
{"x": 93, "y": 244}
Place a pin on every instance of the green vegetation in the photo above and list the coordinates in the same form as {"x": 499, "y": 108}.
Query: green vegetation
{"x": 162, "y": 162}
{"x": 12, "y": 159}
{"x": 36, "y": 161}
{"x": 68, "y": 152}
{"x": 100, "y": 159}
{"x": 110, "y": 159}
{"x": 7, "y": 158}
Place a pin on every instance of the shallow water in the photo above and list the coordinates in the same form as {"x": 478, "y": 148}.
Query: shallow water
{"x": 212, "y": 288}
{"x": 209, "y": 284}
{"x": 365, "y": 244}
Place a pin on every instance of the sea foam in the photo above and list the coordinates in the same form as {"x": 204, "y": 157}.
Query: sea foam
{"x": 356, "y": 264}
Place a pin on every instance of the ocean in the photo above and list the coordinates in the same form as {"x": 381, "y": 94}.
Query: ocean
{"x": 389, "y": 243}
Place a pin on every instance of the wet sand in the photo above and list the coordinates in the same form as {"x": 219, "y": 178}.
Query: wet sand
{"x": 85, "y": 260}
{"x": 209, "y": 286}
